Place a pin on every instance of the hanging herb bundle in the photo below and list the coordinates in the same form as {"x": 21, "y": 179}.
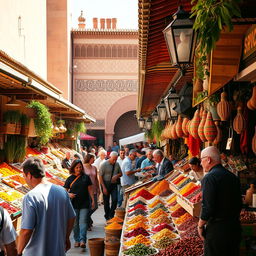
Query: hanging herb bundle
{"x": 80, "y": 127}
{"x": 211, "y": 16}
{"x": 157, "y": 129}
{"x": 43, "y": 122}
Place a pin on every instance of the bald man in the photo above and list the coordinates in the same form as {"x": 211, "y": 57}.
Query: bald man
{"x": 219, "y": 224}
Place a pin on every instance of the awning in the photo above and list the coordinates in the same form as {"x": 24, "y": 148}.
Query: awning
{"x": 132, "y": 139}
{"x": 84, "y": 136}
{"x": 18, "y": 80}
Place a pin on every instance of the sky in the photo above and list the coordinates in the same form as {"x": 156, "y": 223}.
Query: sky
{"x": 126, "y": 12}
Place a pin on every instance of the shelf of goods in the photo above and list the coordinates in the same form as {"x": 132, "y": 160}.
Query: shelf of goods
{"x": 158, "y": 225}
{"x": 188, "y": 193}
{"x": 13, "y": 186}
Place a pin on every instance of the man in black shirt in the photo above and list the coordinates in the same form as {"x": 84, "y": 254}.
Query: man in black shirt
{"x": 219, "y": 224}
{"x": 66, "y": 162}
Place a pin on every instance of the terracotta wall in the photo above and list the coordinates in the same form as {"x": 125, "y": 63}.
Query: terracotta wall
{"x": 58, "y": 45}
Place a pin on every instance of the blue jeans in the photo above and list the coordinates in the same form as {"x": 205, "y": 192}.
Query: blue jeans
{"x": 81, "y": 225}
{"x": 119, "y": 195}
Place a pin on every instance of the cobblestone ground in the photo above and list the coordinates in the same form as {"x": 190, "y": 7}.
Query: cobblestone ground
{"x": 97, "y": 232}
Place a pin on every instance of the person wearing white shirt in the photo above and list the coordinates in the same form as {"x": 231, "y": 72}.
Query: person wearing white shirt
{"x": 97, "y": 163}
{"x": 120, "y": 160}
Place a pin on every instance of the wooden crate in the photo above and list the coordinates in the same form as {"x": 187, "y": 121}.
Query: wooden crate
{"x": 173, "y": 188}
{"x": 193, "y": 209}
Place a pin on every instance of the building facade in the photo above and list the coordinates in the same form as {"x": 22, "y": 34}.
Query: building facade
{"x": 105, "y": 73}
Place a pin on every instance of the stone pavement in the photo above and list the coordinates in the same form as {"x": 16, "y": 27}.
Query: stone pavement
{"x": 97, "y": 232}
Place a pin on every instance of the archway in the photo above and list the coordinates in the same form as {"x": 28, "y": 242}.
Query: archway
{"x": 121, "y": 106}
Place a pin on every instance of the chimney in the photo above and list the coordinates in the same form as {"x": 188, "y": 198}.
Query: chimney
{"x": 108, "y": 23}
{"x": 95, "y": 23}
{"x": 114, "y": 21}
{"x": 81, "y": 21}
{"x": 102, "y": 23}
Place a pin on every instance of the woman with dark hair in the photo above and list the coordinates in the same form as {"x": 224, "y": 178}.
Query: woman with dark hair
{"x": 80, "y": 190}
{"x": 91, "y": 171}
{"x": 197, "y": 171}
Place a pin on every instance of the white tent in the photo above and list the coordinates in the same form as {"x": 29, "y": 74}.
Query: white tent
{"x": 132, "y": 139}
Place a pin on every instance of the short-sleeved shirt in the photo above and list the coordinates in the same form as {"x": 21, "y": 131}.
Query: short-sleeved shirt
{"x": 146, "y": 163}
{"x": 106, "y": 169}
{"x": 8, "y": 233}
{"x": 80, "y": 188}
{"x": 127, "y": 166}
{"x": 46, "y": 211}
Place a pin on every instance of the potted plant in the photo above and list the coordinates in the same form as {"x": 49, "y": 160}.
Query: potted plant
{"x": 80, "y": 127}
{"x": 24, "y": 119}
{"x": 43, "y": 122}
{"x": 211, "y": 103}
{"x": 11, "y": 120}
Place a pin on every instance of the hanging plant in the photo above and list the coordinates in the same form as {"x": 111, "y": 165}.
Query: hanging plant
{"x": 157, "y": 129}
{"x": 210, "y": 18}
{"x": 80, "y": 127}
{"x": 43, "y": 122}
{"x": 149, "y": 135}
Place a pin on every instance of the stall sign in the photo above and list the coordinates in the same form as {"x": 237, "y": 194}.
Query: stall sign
{"x": 249, "y": 42}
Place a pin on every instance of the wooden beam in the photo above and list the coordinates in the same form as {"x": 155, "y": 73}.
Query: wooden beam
{"x": 58, "y": 109}
{"x": 30, "y": 97}
{"x": 16, "y": 91}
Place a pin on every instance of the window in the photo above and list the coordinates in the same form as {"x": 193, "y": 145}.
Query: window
{"x": 96, "y": 51}
{"x": 89, "y": 51}
{"x": 83, "y": 51}
{"x": 77, "y": 51}
{"x": 114, "y": 51}
{"x": 119, "y": 51}
{"x": 130, "y": 51}
{"x": 102, "y": 52}
{"x": 135, "y": 51}
{"x": 108, "y": 51}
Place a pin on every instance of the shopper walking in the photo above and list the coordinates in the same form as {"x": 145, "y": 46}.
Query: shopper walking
{"x": 128, "y": 171}
{"x": 163, "y": 164}
{"x": 80, "y": 190}
{"x": 219, "y": 224}
{"x": 7, "y": 235}
{"x": 110, "y": 172}
{"x": 66, "y": 162}
{"x": 120, "y": 160}
{"x": 47, "y": 214}
{"x": 91, "y": 171}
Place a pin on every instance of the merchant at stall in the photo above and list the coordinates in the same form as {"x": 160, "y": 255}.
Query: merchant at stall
{"x": 163, "y": 164}
{"x": 197, "y": 171}
{"x": 219, "y": 224}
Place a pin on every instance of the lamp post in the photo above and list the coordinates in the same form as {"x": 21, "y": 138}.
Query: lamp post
{"x": 148, "y": 123}
{"x": 171, "y": 101}
{"x": 141, "y": 122}
{"x": 161, "y": 109}
{"x": 180, "y": 39}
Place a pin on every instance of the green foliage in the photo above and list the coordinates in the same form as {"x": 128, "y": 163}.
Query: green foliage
{"x": 70, "y": 132}
{"x": 157, "y": 129}
{"x": 12, "y": 116}
{"x": 200, "y": 96}
{"x": 15, "y": 148}
{"x": 60, "y": 122}
{"x": 43, "y": 122}
{"x": 211, "y": 16}
{"x": 149, "y": 135}
{"x": 214, "y": 99}
{"x": 80, "y": 127}
{"x": 24, "y": 119}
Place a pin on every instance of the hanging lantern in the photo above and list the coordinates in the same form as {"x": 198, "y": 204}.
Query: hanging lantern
{"x": 179, "y": 131}
{"x": 194, "y": 125}
{"x": 148, "y": 124}
{"x": 55, "y": 129}
{"x": 210, "y": 130}
{"x": 223, "y": 107}
{"x": 141, "y": 122}
{"x": 171, "y": 102}
{"x": 219, "y": 134}
{"x": 180, "y": 39}
{"x": 184, "y": 127}
{"x": 254, "y": 142}
{"x": 201, "y": 127}
{"x": 162, "y": 113}
{"x": 155, "y": 116}
{"x": 239, "y": 123}
{"x": 62, "y": 129}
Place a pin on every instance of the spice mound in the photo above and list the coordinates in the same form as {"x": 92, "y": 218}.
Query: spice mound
{"x": 140, "y": 239}
{"x": 179, "y": 212}
{"x": 136, "y": 219}
{"x": 156, "y": 202}
{"x": 164, "y": 233}
{"x": 143, "y": 193}
{"x": 140, "y": 250}
{"x": 137, "y": 212}
{"x": 114, "y": 225}
{"x": 137, "y": 225}
{"x": 157, "y": 213}
{"x": 138, "y": 202}
{"x": 160, "y": 220}
{"x": 136, "y": 232}
{"x": 160, "y": 187}
{"x": 163, "y": 243}
{"x": 191, "y": 247}
{"x": 115, "y": 219}
{"x": 138, "y": 206}
{"x": 159, "y": 206}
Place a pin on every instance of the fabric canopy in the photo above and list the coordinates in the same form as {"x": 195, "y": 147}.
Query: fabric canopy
{"x": 132, "y": 139}
{"x": 84, "y": 136}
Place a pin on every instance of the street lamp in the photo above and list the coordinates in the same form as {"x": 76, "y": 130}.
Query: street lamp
{"x": 155, "y": 116}
{"x": 141, "y": 122}
{"x": 161, "y": 109}
{"x": 171, "y": 101}
{"x": 148, "y": 123}
{"x": 180, "y": 39}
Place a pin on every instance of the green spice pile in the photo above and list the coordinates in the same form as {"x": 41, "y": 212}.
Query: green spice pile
{"x": 140, "y": 250}
{"x": 163, "y": 243}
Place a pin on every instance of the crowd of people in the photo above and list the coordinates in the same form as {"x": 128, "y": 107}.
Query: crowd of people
{"x": 96, "y": 175}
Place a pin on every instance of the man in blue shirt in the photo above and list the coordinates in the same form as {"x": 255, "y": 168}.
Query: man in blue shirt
{"x": 115, "y": 147}
{"x": 128, "y": 171}
{"x": 148, "y": 163}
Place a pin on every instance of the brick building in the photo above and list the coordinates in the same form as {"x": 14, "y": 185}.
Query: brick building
{"x": 105, "y": 77}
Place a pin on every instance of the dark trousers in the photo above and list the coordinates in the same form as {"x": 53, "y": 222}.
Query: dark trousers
{"x": 112, "y": 192}
{"x": 92, "y": 210}
{"x": 222, "y": 238}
